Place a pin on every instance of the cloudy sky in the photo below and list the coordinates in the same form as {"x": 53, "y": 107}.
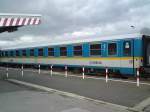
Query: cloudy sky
{"x": 67, "y": 19}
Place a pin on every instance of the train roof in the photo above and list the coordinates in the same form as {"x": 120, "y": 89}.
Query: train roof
{"x": 76, "y": 41}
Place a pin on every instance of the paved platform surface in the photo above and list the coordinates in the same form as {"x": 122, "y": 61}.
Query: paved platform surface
{"x": 16, "y": 98}
{"x": 125, "y": 94}
{"x": 147, "y": 109}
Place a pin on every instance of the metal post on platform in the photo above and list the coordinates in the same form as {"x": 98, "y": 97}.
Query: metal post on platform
{"x": 51, "y": 70}
{"x": 66, "y": 72}
{"x": 7, "y": 72}
{"x": 106, "y": 74}
{"x": 39, "y": 69}
{"x": 138, "y": 77}
{"x": 22, "y": 70}
{"x": 83, "y": 74}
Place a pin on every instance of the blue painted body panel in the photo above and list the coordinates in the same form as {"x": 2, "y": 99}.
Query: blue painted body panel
{"x": 85, "y": 47}
{"x": 36, "y": 52}
{"x": 45, "y": 51}
{"x": 69, "y": 50}
{"x": 56, "y": 51}
{"x": 20, "y": 52}
{"x": 137, "y": 47}
{"x": 28, "y": 52}
{"x": 104, "y": 49}
{"x": 14, "y": 53}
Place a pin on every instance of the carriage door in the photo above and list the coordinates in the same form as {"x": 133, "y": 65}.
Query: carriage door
{"x": 146, "y": 51}
{"x": 148, "y": 54}
{"x": 127, "y": 49}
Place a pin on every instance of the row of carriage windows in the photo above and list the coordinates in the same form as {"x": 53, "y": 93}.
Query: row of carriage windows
{"x": 95, "y": 50}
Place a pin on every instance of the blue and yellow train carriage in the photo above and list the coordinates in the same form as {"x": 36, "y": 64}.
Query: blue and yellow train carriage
{"x": 121, "y": 53}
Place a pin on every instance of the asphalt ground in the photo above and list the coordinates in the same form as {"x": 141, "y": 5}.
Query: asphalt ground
{"x": 17, "y": 98}
{"x": 6, "y": 87}
{"x": 126, "y": 94}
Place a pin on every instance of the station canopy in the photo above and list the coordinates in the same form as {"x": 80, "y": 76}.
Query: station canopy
{"x": 11, "y": 22}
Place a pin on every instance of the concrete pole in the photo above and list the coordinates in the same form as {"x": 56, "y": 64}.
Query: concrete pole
{"x": 51, "y": 70}
{"x": 138, "y": 77}
{"x": 7, "y": 72}
{"x": 39, "y": 69}
{"x": 106, "y": 74}
{"x": 66, "y": 72}
{"x": 22, "y": 70}
{"x": 83, "y": 74}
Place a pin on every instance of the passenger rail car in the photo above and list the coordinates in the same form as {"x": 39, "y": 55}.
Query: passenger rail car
{"x": 121, "y": 54}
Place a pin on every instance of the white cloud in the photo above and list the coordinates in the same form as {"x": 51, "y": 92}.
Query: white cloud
{"x": 26, "y": 38}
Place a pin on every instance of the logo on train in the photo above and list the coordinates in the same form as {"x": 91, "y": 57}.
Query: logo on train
{"x": 95, "y": 62}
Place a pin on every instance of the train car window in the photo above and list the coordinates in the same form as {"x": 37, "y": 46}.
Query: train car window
{"x": 112, "y": 48}
{"x": 31, "y": 52}
{"x": 95, "y": 49}
{"x": 63, "y": 51}
{"x": 3, "y": 54}
{"x": 50, "y": 51}
{"x": 17, "y": 52}
{"x": 24, "y": 53}
{"x": 127, "y": 48}
{"x": 6, "y": 53}
{"x": 40, "y": 52}
{"x": 77, "y": 50}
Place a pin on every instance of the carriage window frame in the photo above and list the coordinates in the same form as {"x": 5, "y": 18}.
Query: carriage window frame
{"x": 130, "y": 48}
{"x": 93, "y": 49}
{"x": 116, "y": 49}
{"x": 24, "y": 52}
{"x": 51, "y": 51}
{"x": 63, "y": 51}
{"x": 6, "y": 53}
{"x": 40, "y": 51}
{"x": 17, "y": 53}
{"x": 80, "y": 51}
{"x": 31, "y": 52}
{"x": 3, "y": 54}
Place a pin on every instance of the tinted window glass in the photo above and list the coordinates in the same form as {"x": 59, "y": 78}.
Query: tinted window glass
{"x": 95, "y": 49}
{"x": 40, "y": 52}
{"x": 31, "y": 52}
{"x": 24, "y": 53}
{"x": 112, "y": 49}
{"x": 77, "y": 50}
{"x": 3, "y": 53}
{"x": 127, "y": 48}
{"x": 63, "y": 51}
{"x": 17, "y": 52}
{"x": 50, "y": 51}
{"x": 6, "y": 53}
